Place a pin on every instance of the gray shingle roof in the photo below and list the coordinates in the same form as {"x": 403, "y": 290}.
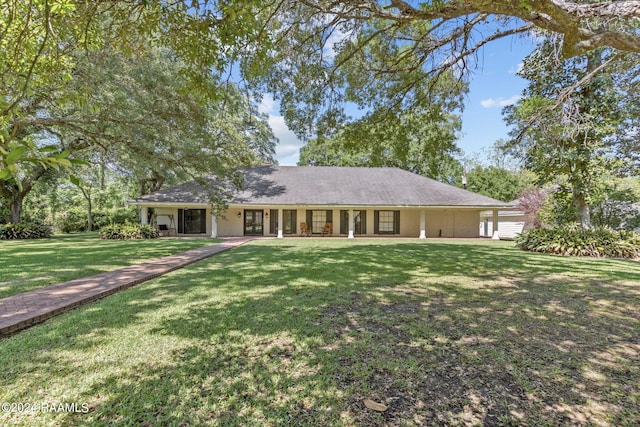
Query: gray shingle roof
{"x": 326, "y": 185}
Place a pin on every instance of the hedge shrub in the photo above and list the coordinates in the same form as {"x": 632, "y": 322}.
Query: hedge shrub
{"x": 128, "y": 232}
{"x": 24, "y": 230}
{"x": 577, "y": 241}
{"x": 75, "y": 219}
{"x": 72, "y": 221}
{"x": 105, "y": 217}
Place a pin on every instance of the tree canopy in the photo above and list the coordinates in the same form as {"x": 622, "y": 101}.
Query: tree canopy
{"x": 584, "y": 25}
{"x": 568, "y": 137}
{"x": 315, "y": 56}
{"x": 137, "y": 112}
{"x": 313, "y": 42}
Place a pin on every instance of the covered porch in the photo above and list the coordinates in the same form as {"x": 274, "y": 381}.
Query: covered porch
{"x": 337, "y": 221}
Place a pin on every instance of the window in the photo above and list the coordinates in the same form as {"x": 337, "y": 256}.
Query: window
{"x": 386, "y": 222}
{"x": 192, "y": 221}
{"x": 289, "y": 221}
{"x": 319, "y": 219}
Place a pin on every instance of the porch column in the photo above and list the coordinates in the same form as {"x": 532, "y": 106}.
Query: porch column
{"x": 280, "y": 222}
{"x": 214, "y": 226}
{"x": 144, "y": 213}
{"x": 350, "y": 224}
{"x": 423, "y": 224}
{"x": 496, "y": 236}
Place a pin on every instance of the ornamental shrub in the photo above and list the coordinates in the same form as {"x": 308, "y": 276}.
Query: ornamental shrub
{"x": 578, "y": 241}
{"x": 72, "y": 221}
{"x": 128, "y": 232}
{"x": 24, "y": 230}
{"x": 105, "y": 217}
{"x": 75, "y": 219}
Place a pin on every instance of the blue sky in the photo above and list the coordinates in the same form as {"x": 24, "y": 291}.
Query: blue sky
{"x": 493, "y": 85}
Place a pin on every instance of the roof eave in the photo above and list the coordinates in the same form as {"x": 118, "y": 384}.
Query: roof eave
{"x": 321, "y": 205}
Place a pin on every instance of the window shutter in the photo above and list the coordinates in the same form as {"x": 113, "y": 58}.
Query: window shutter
{"x": 309, "y": 218}
{"x": 294, "y": 221}
{"x": 376, "y": 222}
{"x": 181, "y": 221}
{"x": 330, "y": 216}
{"x": 203, "y": 221}
{"x": 396, "y": 222}
{"x": 363, "y": 222}
{"x": 273, "y": 221}
{"x": 344, "y": 219}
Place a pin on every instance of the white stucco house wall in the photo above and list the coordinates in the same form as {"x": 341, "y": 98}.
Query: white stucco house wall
{"x": 511, "y": 222}
{"x": 276, "y": 200}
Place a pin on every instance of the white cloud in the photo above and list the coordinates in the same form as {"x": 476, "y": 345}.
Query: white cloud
{"x": 266, "y": 104}
{"x": 516, "y": 69}
{"x": 283, "y": 151}
{"x": 337, "y": 36}
{"x": 288, "y": 147}
{"x": 499, "y": 102}
{"x": 287, "y": 150}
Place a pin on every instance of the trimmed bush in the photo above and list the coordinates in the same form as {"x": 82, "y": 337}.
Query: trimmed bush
{"x": 577, "y": 241}
{"x": 24, "y": 230}
{"x": 128, "y": 232}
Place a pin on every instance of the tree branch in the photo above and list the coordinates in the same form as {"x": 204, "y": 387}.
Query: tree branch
{"x": 573, "y": 20}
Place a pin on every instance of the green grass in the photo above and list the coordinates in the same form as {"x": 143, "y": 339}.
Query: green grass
{"x": 300, "y": 331}
{"x": 30, "y": 264}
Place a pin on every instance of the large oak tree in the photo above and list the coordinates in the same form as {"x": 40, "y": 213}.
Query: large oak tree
{"x": 564, "y": 134}
{"x": 298, "y": 49}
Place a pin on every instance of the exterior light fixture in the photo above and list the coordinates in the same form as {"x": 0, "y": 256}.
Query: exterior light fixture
{"x": 239, "y": 214}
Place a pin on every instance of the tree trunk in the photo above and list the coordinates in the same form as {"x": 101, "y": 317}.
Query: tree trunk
{"x": 15, "y": 208}
{"x": 102, "y": 170}
{"x": 14, "y": 198}
{"x": 584, "y": 213}
{"x": 89, "y": 217}
{"x": 87, "y": 195}
{"x": 14, "y": 194}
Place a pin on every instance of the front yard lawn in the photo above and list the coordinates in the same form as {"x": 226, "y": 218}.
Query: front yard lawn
{"x": 30, "y": 264}
{"x": 301, "y": 331}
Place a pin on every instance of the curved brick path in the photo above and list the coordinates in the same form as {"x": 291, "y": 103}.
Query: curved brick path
{"x": 28, "y": 308}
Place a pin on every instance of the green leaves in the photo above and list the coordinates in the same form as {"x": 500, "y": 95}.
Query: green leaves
{"x": 14, "y": 155}
{"x": 75, "y": 180}
{"x": 499, "y": 183}
{"x": 9, "y": 157}
{"x": 62, "y": 6}
{"x": 574, "y": 240}
{"x": 564, "y": 126}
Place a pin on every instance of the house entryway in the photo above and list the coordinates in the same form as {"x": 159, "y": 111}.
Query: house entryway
{"x": 192, "y": 221}
{"x": 253, "y": 222}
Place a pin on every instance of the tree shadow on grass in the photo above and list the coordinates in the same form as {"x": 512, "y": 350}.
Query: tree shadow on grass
{"x": 441, "y": 334}
{"x": 34, "y": 264}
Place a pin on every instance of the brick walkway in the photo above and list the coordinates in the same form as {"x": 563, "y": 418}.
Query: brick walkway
{"x": 28, "y": 308}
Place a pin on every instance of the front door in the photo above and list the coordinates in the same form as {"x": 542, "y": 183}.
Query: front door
{"x": 253, "y": 222}
{"x": 192, "y": 221}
